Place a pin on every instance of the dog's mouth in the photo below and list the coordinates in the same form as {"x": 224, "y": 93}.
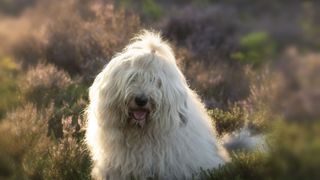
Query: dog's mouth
{"x": 139, "y": 116}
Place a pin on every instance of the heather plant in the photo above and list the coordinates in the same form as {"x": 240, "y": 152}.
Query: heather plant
{"x": 83, "y": 47}
{"x": 211, "y": 30}
{"x": 215, "y": 81}
{"x": 264, "y": 88}
{"x": 9, "y": 86}
{"x": 46, "y": 139}
{"x": 298, "y": 99}
{"x": 23, "y": 140}
{"x": 79, "y": 38}
{"x": 229, "y": 120}
{"x": 29, "y": 153}
{"x": 45, "y": 85}
{"x": 28, "y": 51}
{"x": 68, "y": 157}
{"x": 208, "y": 37}
{"x": 244, "y": 166}
{"x": 292, "y": 154}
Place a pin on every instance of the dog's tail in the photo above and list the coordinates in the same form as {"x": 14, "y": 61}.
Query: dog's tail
{"x": 245, "y": 140}
{"x": 151, "y": 42}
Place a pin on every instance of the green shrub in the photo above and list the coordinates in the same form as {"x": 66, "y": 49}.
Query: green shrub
{"x": 45, "y": 85}
{"x": 68, "y": 158}
{"x": 9, "y": 88}
{"x": 23, "y": 139}
{"x": 264, "y": 89}
{"x": 27, "y": 152}
{"x": 244, "y": 166}
{"x": 228, "y": 121}
{"x": 151, "y": 9}
{"x": 256, "y": 47}
{"x": 293, "y": 153}
{"x": 80, "y": 38}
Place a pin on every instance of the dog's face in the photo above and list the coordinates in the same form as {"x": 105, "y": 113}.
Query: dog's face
{"x": 143, "y": 96}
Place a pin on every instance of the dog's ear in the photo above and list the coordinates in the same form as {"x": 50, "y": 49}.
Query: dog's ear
{"x": 183, "y": 114}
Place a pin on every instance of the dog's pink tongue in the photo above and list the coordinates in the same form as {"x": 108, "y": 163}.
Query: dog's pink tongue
{"x": 139, "y": 115}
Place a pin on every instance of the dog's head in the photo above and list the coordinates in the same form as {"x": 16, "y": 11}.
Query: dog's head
{"x": 142, "y": 86}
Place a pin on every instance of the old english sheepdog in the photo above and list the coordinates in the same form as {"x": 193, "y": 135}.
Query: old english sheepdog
{"x": 143, "y": 119}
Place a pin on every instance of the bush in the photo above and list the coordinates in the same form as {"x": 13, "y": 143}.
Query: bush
{"x": 257, "y": 47}
{"x": 44, "y": 140}
{"x": 23, "y": 140}
{"x": 45, "y": 85}
{"x": 260, "y": 105}
{"x": 214, "y": 81}
{"x": 149, "y": 10}
{"x": 68, "y": 157}
{"x": 212, "y": 30}
{"x": 9, "y": 87}
{"x": 207, "y": 38}
{"x": 80, "y": 38}
{"x": 228, "y": 121}
{"x": 244, "y": 166}
{"x": 292, "y": 154}
{"x": 298, "y": 98}
{"x": 29, "y": 153}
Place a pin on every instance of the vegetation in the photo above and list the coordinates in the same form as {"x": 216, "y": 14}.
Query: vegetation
{"x": 8, "y": 88}
{"x": 254, "y": 64}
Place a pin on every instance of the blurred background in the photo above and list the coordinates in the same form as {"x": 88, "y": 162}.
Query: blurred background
{"x": 254, "y": 64}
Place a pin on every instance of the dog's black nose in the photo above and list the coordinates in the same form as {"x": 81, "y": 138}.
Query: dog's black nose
{"x": 141, "y": 100}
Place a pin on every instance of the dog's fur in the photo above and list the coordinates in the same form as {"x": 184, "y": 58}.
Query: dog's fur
{"x": 170, "y": 137}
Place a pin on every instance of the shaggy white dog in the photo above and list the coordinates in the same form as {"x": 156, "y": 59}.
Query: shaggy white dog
{"x": 143, "y": 119}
